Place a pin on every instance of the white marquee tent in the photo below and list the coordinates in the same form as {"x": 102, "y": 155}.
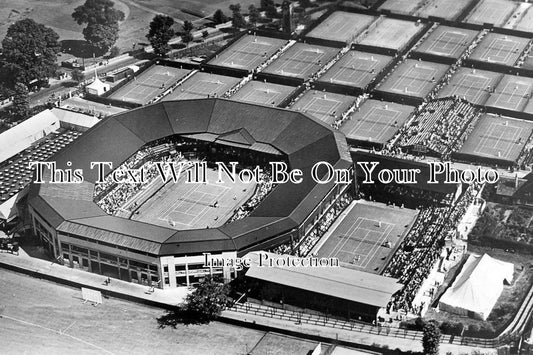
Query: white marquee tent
{"x": 477, "y": 287}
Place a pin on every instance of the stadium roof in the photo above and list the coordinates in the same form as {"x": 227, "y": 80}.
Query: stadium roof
{"x": 348, "y": 284}
{"x": 301, "y": 139}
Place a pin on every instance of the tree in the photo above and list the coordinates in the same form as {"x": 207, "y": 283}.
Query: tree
{"x": 207, "y": 300}
{"x": 431, "y": 338}
{"x": 205, "y": 34}
{"x": 187, "y": 28}
{"x": 271, "y": 11}
{"x": 77, "y": 75}
{"x": 253, "y": 15}
{"x": 114, "y": 51}
{"x": 219, "y": 17}
{"x": 21, "y": 102}
{"x": 237, "y": 20}
{"x": 29, "y": 53}
{"x": 160, "y": 34}
{"x": 266, "y": 3}
{"x": 102, "y": 22}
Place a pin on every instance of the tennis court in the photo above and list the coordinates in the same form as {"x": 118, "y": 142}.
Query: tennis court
{"x": 495, "y": 12}
{"x": 502, "y": 138}
{"x": 149, "y": 84}
{"x": 184, "y": 205}
{"x": 367, "y": 235}
{"x": 325, "y": 106}
{"x": 376, "y": 121}
{"x": 356, "y": 69}
{"x": 447, "y": 41}
{"x": 259, "y": 92}
{"x": 342, "y": 26}
{"x": 499, "y": 48}
{"x": 473, "y": 85}
{"x": 447, "y": 9}
{"x": 406, "y": 7}
{"x": 301, "y": 60}
{"x": 202, "y": 85}
{"x": 248, "y": 52}
{"x": 513, "y": 93}
{"x": 391, "y": 33}
{"x": 526, "y": 22}
{"x": 414, "y": 78}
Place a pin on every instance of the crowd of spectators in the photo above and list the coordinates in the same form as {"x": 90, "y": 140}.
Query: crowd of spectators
{"x": 392, "y": 194}
{"x": 263, "y": 188}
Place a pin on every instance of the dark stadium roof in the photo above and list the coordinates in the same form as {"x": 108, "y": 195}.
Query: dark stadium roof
{"x": 303, "y": 140}
{"x": 348, "y": 284}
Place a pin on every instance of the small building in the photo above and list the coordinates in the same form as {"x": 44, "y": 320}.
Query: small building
{"x": 97, "y": 87}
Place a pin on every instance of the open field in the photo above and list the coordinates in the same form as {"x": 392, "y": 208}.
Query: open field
{"x": 325, "y": 106}
{"x": 258, "y": 92}
{"x": 406, "y": 7}
{"x": 202, "y": 85}
{"x": 356, "y": 69}
{"x": 471, "y": 84}
{"x": 185, "y": 205}
{"x": 498, "y": 137}
{"x": 447, "y": 41}
{"x": 301, "y": 60}
{"x": 273, "y": 343}
{"x": 448, "y": 9}
{"x": 391, "y": 33}
{"x": 341, "y": 26}
{"x": 414, "y": 78}
{"x": 376, "y": 121}
{"x": 248, "y": 52}
{"x": 39, "y": 317}
{"x": 499, "y": 48}
{"x": 512, "y": 93}
{"x": 151, "y": 83}
{"x": 368, "y": 234}
{"x": 495, "y": 12}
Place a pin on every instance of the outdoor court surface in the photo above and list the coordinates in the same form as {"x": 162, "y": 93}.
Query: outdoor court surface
{"x": 202, "y": 85}
{"x": 406, "y": 7}
{"x": 301, "y": 60}
{"x": 151, "y": 83}
{"x": 471, "y": 84}
{"x": 526, "y": 22}
{"x": 375, "y": 121}
{"x": 323, "y": 105}
{"x": 341, "y": 26}
{"x": 391, "y": 33}
{"x": 495, "y": 12}
{"x": 498, "y": 137}
{"x": 360, "y": 239}
{"x": 448, "y": 9}
{"x": 190, "y": 206}
{"x": 528, "y": 64}
{"x": 248, "y": 52}
{"x": 447, "y": 41}
{"x": 513, "y": 93}
{"x": 499, "y": 48}
{"x": 414, "y": 78}
{"x": 356, "y": 69}
{"x": 259, "y": 92}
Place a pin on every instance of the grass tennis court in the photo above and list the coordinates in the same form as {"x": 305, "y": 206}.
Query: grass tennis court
{"x": 356, "y": 69}
{"x": 495, "y": 12}
{"x": 273, "y": 343}
{"x": 471, "y": 84}
{"x": 248, "y": 52}
{"x": 526, "y": 22}
{"x": 189, "y": 206}
{"x": 325, "y": 106}
{"x": 202, "y": 85}
{"x": 367, "y": 235}
{"x": 513, "y": 93}
{"x": 151, "y": 83}
{"x": 391, "y": 33}
{"x": 414, "y": 78}
{"x": 447, "y": 41}
{"x": 406, "y": 7}
{"x": 499, "y": 48}
{"x": 301, "y": 60}
{"x": 341, "y": 26}
{"x": 448, "y": 9}
{"x": 376, "y": 121}
{"x": 259, "y": 92}
{"x": 498, "y": 137}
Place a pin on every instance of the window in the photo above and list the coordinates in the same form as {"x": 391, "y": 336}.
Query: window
{"x": 165, "y": 268}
